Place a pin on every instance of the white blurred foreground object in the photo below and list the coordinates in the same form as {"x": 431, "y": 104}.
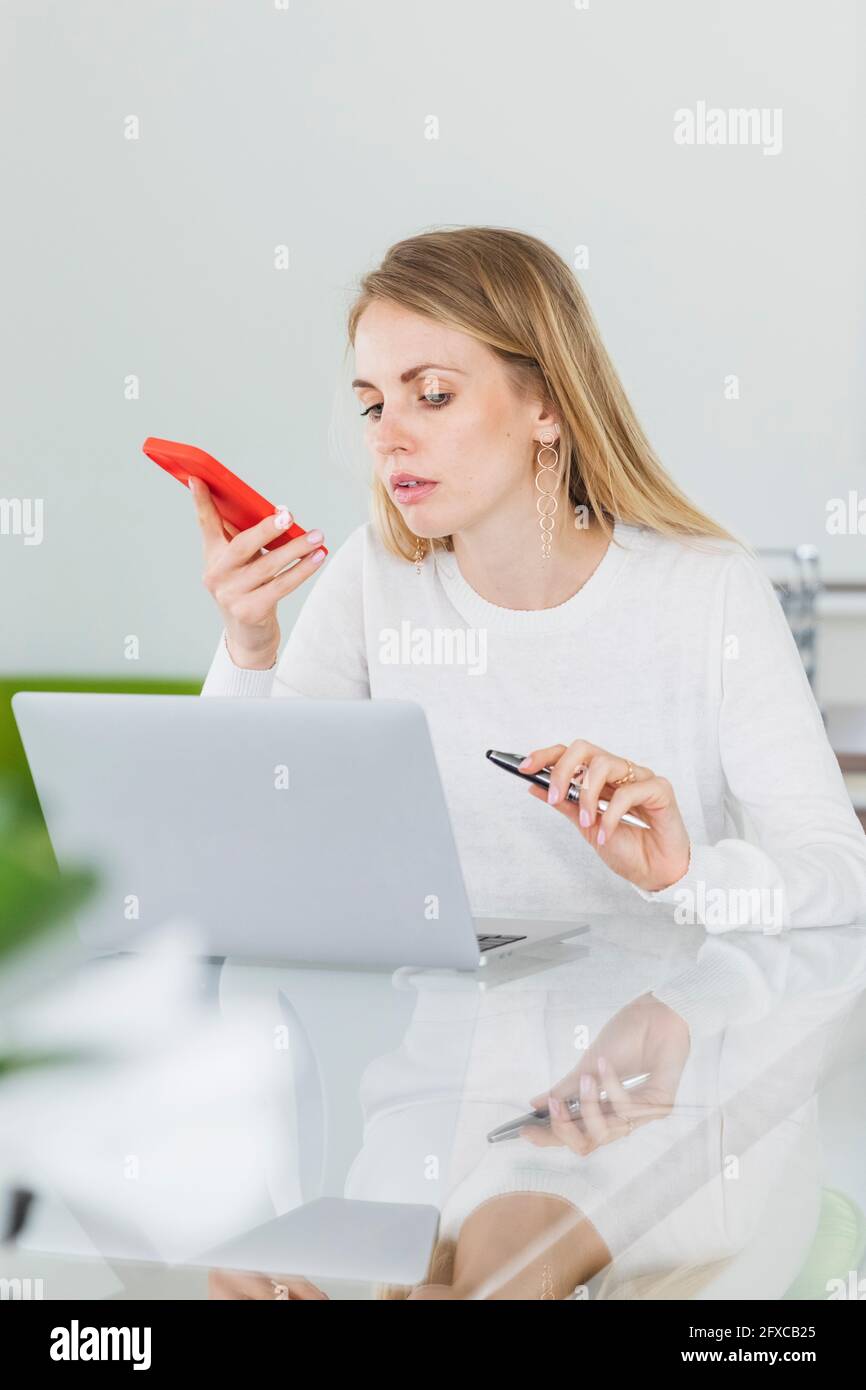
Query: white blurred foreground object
{"x": 154, "y": 1127}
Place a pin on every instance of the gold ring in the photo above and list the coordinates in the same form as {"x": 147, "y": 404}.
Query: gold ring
{"x": 629, "y": 776}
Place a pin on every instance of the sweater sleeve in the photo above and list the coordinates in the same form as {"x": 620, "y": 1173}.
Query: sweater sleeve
{"x": 742, "y": 978}
{"x": 801, "y": 861}
{"x": 325, "y": 654}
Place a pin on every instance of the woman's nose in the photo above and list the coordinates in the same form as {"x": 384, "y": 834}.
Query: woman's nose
{"x": 392, "y": 437}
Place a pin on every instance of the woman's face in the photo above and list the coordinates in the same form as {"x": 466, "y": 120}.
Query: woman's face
{"x": 440, "y": 410}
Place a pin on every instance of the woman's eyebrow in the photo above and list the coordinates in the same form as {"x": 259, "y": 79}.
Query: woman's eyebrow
{"x": 410, "y": 373}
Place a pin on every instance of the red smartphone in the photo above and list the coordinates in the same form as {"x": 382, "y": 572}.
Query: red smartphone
{"x": 234, "y": 499}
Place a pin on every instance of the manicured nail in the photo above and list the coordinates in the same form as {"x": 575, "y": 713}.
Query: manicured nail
{"x": 554, "y": 1107}
{"x": 602, "y": 1064}
{"x": 525, "y": 763}
{"x": 601, "y": 837}
{"x": 552, "y": 795}
{"x": 585, "y": 1084}
{"x": 313, "y": 536}
{"x": 317, "y": 557}
{"x": 584, "y": 817}
{"x": 282, "y": 518}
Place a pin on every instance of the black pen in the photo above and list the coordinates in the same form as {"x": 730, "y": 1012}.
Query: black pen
{"x": 509, "y": 762}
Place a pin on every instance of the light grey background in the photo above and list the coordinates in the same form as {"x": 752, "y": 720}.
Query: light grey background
{"x": 305, "y": 126}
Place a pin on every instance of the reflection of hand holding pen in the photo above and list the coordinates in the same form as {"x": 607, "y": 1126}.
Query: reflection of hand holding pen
{"x": 509, "y": 762}
{"x": 540, "y": 1119}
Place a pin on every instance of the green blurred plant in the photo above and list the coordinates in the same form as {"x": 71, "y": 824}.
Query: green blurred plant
{"x": 34, "y": 897}
{"x": 35, "y": 900}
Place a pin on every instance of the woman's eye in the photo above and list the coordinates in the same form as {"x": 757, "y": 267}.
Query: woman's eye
{"x": 435, "y": 399}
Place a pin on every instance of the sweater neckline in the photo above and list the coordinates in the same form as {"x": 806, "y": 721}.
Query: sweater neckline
{"x": 480, "y": 612}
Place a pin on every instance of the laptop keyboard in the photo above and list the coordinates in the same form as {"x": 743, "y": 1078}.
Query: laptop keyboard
{"x": 489, "y": 943}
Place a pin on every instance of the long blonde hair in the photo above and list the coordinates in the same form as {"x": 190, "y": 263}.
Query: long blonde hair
{"x": 512, "y": 292}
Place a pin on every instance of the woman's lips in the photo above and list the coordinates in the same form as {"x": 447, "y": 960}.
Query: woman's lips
{"x": 407, "y": 494}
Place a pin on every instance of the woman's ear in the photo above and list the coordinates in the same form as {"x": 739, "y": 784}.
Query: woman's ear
{"x": 546, "y": 433}
{"x": 546, "y": 426}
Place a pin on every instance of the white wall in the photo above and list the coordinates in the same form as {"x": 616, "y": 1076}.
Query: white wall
{"x": 306, "y": 126}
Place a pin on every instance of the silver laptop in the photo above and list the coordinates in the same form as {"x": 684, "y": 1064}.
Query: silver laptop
{"x": 304, "y": 831}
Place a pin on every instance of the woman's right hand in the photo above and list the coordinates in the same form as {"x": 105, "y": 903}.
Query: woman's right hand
{"x": 245, "y": 579}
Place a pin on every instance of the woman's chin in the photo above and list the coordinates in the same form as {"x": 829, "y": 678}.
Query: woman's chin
{"x": 428, "y": 528}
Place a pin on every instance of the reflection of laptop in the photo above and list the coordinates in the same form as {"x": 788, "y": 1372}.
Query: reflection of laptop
{"x": 328, "y": 1238}
{"x": 327, "y": 1235}
{"x": 374, "y": 1242}
{"x": 310, "y": 831}
{"x": 319, "y": 1233}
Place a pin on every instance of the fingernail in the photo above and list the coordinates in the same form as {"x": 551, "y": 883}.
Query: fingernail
{"x": 602, "y": 1064}
{"x": 586, "y": 1084}
{"x": 584, "y": 817}
{"x": 282, "y": 518}
{"x": 317, "y": 557}
{"x": 313, "y": 536}
{"x": 601, "y": 837}
{"x": 552, "y": 796}
{"x": 554, "y": 1107}
{"x": 525, "y": 763}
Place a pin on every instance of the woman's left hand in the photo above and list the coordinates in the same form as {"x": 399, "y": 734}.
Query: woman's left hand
{"x": 651, "y": 859}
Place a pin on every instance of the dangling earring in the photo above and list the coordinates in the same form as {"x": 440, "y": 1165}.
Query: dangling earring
{"x": 546, "y": 503}
{"x": 420, "y": 552}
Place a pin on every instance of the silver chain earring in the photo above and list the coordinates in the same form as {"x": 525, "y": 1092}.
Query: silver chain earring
{"x": 546, "y": 502}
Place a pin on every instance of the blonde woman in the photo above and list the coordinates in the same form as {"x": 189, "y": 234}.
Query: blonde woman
{"x": 537, "y": 582}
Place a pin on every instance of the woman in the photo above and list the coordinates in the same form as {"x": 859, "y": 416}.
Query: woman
{"x": 535, "y": 580}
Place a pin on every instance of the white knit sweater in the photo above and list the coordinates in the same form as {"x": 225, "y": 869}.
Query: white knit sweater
{"x": 675, "y": 655}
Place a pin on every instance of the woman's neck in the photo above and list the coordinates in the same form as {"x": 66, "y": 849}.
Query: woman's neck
{"x": 505, "y": 565}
